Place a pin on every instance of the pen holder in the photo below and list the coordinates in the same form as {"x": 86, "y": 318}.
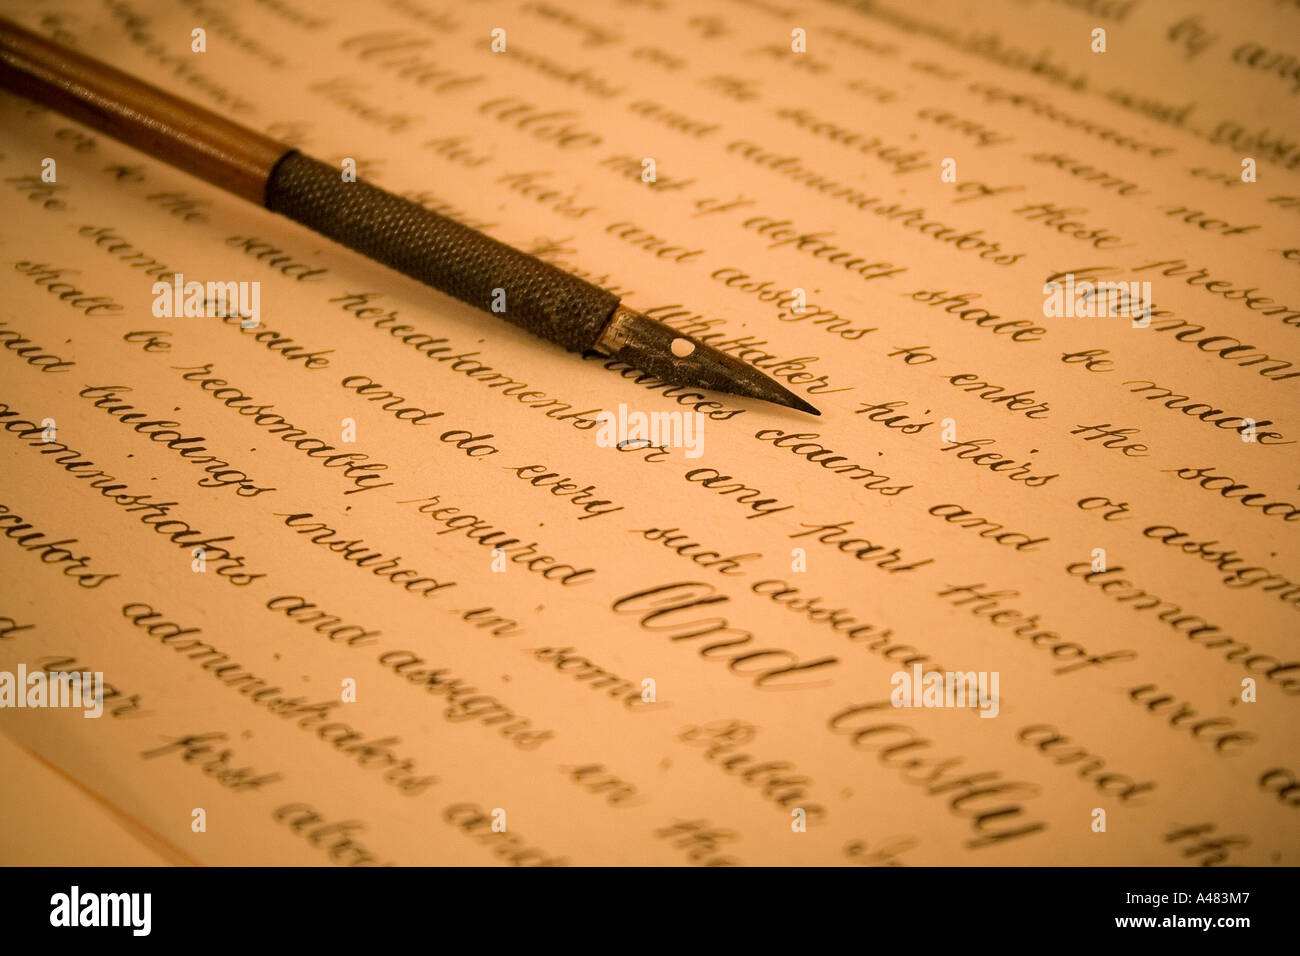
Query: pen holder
{"x": 440, "y": 252}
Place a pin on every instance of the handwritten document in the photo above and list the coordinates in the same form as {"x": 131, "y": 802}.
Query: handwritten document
{"x": 369, "y": 582}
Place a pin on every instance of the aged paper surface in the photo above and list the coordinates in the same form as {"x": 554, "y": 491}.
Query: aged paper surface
{"x": 369, "y": 582}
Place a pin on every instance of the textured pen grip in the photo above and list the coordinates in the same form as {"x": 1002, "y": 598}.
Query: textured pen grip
{"x": 440, "y": 252}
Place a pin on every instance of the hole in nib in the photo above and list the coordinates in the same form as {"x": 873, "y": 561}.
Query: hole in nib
{"x": 682, "y": 347}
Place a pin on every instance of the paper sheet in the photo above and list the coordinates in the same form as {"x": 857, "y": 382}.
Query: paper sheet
{"x": 437, "y": 614}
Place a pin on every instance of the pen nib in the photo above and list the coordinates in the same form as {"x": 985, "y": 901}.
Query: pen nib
{"x": 680, "y": 359}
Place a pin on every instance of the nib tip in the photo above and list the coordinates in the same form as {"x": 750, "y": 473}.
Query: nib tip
{"x": 798, "y": 403}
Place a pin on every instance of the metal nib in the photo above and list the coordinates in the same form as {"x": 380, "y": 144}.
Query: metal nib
{"x": 680, "y": 359}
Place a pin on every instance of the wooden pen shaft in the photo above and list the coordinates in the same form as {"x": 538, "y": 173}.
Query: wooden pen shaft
{"x": 151, "y": 120}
